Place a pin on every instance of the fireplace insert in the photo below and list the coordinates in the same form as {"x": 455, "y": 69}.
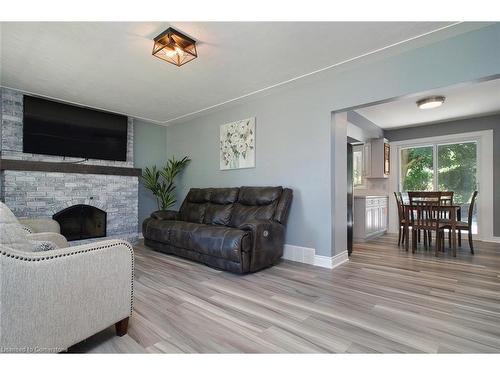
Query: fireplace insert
{"x": 81, "y": 221}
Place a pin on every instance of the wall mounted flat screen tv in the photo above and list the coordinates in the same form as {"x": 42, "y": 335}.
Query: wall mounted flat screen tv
{"x": 54, "y": 128}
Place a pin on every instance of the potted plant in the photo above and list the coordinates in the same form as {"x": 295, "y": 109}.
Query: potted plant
{"x": 161, "y": 181}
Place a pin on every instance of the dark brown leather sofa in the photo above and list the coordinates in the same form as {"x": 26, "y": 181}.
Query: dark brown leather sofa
{"x": 236, "y": 229}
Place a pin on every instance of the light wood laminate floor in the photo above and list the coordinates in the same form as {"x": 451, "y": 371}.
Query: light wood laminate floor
{"x": 383, "y": 300}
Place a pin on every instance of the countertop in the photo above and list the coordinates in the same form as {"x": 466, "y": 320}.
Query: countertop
{"x": 365, "y": 196}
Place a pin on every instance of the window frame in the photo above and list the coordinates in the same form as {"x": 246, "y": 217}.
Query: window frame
{"x": 359, "y": 148}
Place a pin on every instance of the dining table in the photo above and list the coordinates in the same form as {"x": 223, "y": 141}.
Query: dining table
{"x": 453, "y": 213}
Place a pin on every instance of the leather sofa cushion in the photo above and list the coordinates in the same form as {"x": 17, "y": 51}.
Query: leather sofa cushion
{"x": 259, "y": 196}
{"x": 218, "y": 211}
{"x": 179, "y": 233}
{"x": 216, "y": 241}
{"x": 193, "y": 212}
{"x": 220, "y": 242}
{"x": 198, "y": 195}
{"x": 224, "y": 195}
{"x": 218, "y": 214}
{"x": 194, "y": 206}
{"x": 164, "y": 215}
{"x": 243, "y": 213}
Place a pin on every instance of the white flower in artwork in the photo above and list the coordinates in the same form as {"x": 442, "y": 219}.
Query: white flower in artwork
{"x": 237, "y": 144}
{"x": 235, "y": 137}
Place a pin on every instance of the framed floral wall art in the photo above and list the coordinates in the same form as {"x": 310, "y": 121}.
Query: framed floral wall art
{"x": 237, "y": 144}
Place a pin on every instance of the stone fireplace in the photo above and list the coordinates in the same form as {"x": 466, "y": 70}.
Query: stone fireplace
{"x": 42, "y": 192}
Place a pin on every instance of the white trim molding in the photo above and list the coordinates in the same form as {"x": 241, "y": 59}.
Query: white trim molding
{"x": 488, "y": 239}
{"x": 331, "y": 262}
{"x": 308, "y": 255}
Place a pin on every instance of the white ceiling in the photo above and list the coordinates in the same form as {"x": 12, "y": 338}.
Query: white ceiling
{"x": 464, "y": 101}
{"x": 109, "y": 65}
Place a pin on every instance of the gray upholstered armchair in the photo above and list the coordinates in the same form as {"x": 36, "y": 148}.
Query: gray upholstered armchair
{"x": 51, "y": 300}
{"x": 40, "y": 225}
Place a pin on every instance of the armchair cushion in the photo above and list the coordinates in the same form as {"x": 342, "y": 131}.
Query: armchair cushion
{"x": 58, "y": 240}
{"x": 41, "y": 225}
{"x": 12, "y": 234}
{"x": 15, "y": 236}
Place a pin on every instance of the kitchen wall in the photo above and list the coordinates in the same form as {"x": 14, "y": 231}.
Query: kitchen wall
{"x": 456, "y": 127}
{"x": 150, "y": 141}
{"x": 293, "y": 126}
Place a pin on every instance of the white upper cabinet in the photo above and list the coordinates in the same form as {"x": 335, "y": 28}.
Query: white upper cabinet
{"x": 377, "y": 158}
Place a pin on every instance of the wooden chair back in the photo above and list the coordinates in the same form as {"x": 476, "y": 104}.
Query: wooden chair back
{"x": 471, "y": 209}
{"x": 426, "y": 216}
{"x": 399, "y": 202}
{"x": 424, "y": 197}
{"x": 447, "y": 198}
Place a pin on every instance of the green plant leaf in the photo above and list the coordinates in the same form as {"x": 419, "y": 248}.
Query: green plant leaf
{"x": 161, "y": 182}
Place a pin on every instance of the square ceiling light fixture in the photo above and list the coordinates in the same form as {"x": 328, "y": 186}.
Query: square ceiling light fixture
{"x": 174, "y": 47}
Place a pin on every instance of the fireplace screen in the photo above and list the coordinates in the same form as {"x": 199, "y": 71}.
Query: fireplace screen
{"x": 81, "y": 221}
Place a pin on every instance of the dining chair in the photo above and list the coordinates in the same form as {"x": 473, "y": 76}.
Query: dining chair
{"x": 401, "y": 218}
{"x": 464, "y": 225}
{"x": 424, "y": 198}
{"x": 447, "y": 199}
{"x": 426, "y": 217}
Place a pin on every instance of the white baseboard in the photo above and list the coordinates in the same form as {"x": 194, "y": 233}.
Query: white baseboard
{"x": 299, "y": 254}
{"x": 308, "y": 255}
{"x": 490, "y": 239}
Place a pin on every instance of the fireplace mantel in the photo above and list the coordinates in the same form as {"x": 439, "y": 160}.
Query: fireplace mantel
{"x": 63, "y": 167}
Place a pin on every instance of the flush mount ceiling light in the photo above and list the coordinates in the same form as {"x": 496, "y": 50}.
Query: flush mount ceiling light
{"x": 430, "y": 102}
{"x": 174, "y": 47}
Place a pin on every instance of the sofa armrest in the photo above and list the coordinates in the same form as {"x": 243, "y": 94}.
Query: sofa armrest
{"x": 58, "y": 239}
{"x": 41, "y": 225}
{"x": 165, "y": 215}
{"x": 268, "y": 238}
{"x": 54, "y": 299}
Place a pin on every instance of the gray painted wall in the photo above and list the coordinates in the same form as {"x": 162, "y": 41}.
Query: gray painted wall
{"x": 149, "y": 149}
{"x": 462, "y": 126}
{"x": 293, "y": 134}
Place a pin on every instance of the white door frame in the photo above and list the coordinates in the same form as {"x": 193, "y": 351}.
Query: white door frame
{"x": 484, "y": 141}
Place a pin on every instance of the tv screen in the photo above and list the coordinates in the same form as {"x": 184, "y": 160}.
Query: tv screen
{"x": 54, "y": 128}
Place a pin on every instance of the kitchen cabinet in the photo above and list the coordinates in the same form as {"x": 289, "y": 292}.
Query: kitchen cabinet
{"x": 377, "y": 154}
{"x": 370, "y": 217}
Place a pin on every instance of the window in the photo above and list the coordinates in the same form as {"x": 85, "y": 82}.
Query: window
{"x": 441, "y": 167}
{"x": 417, "y": 169}
{"x": 457, "y": 163}
{"x": 357, "y": 166}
